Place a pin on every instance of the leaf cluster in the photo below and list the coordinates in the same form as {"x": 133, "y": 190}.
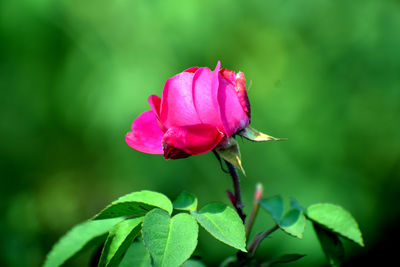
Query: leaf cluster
{"x": 330, "y": 222}
{"x": 146, "y": 229}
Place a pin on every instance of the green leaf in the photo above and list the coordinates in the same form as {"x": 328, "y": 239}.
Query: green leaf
{"x": 169, "y": 241}
{"x": 254, "y": 135}
{"x": 331, "y": 245}
{"x": 228, "y": 261}
{"x": 193, "y": 263}
{"x": 284, "y": 259}
{"x": 77, "y": 239}
{"x": 118, "y": 241}
{"x": 274, "y": 205}
{"x": 230, "y": 152}
{"x": 185, "y": 201}
{"x": 135, "y": 204}
{"x": 295, "y": 205}
{"x": 294, "y": 223}
{"x": 136, "y": 256}
{"x": 336, "y": 219}
{"x": 223, "y": 223}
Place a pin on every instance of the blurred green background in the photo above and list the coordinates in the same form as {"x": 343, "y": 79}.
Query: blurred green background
{"x": 75, "y": 74}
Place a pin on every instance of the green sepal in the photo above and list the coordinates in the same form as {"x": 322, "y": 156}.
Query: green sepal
{"x": 229, "y": 151}
{"x": 254, "y": 135}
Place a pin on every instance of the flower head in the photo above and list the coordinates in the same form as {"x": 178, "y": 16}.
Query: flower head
{"x": 199, "y": 108}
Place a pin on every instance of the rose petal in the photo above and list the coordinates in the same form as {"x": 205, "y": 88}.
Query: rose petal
{"x": 240, "y": 87}
{"x": 155, "y": 104}
{"x": 146, "y": 135}
{"x": 232, "y": 115}
{"x": 192, "y": 69}
{"x": 177, "y": 108}
{"x": 229, "y": 75}
{"x": 205, "y": 92}
{"x": 192, "y": 139}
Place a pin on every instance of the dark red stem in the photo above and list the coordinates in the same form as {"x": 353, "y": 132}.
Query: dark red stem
{"x": 237, "y": 203}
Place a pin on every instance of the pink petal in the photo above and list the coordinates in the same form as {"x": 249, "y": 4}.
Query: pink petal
{"x": 177, "y": 107}
{"x": 205, "y": 92}
{"x": 191, "y": 140}
{"x": 229, "y": 75}
{"x": 155, "y": 104}
{"x": 232, "y": 115}
{"x": 146, "y": 135}
{"x": 192, "y": 69}
{"x": 240, "y": 87}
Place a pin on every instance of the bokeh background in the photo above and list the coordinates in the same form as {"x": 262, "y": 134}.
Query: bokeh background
{"x": 75, "y": 74}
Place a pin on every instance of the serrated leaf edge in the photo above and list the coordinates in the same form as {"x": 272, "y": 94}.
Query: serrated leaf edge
{"x": 116, "y": 202}
{"x": 333, "y": 230}
{"x": 223, "y": 241}
{"x": 169, "y": 228}
{"x": 302, "y": 232}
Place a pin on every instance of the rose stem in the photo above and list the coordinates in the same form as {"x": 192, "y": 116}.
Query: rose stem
{"x": 257, "y": 196}
{"x": 238, "y": 204}
{"x": 260, "y": 237}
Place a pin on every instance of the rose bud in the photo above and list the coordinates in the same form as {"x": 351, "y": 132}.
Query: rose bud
{"x": 199, "y": 110}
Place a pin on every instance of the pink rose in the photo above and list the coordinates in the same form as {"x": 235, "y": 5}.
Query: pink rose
{"x": 198, "y": 108}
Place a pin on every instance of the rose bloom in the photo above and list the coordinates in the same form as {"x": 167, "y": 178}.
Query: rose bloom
{"x": 198, "y": 110}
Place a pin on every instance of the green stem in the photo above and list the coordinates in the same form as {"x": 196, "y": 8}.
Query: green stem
{"x": 260, "y": 237}
{"x": 257, "y": 196}
{"x": 251, "y": 220}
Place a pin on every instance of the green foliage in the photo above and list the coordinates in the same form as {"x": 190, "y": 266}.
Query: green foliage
{"x": 293, "y": 223}
{"x": 77, "y": 239}
{"x": 228, "y": 261}
{"x": 332, "y": 246}
{"x": 336, "y": 219}
{"x": 273, "y": 205}
{"x": 193, "y": 263}
{"x": 75, "y": 74}
{"x": 223, "y": 223}
{"x": 294, "y": 220}
{"x": 118, "y": 241}
{"x": 185, "y": 201}
{"x": 295, "y": 205}
{"x": 169, "y": 241}
{"x": 283, "y": 259}
{"x": 136, "y": 256}
{"x": 135, "y": 204}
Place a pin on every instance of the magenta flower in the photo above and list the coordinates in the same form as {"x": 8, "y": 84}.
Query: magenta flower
{"x": 198, "y": 109}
